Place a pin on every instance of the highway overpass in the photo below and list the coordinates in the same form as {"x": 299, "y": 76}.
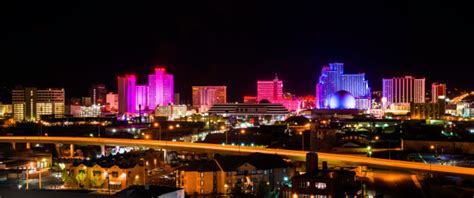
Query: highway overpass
{"x": 217, "y": 148}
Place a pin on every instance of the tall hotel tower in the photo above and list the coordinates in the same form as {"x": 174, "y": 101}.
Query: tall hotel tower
{"x": 333, "y": 79}
{"x": 437, "y": 90}
{"x": 403, "y": 90}
{"x": 271, "y": 90}
{"x": 160, "y": 88}
{"x": 127, "y": 93}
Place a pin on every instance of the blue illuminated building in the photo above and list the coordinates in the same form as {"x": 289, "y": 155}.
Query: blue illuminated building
{"x": 333, "y": 80}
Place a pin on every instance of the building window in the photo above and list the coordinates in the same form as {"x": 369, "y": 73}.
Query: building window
{"x": 308, "y": 184}
{"x": 253, "y": 172}
{"x": 202, "y": 182}
{"x": 96, "y": 173}
{"x": 115, "y": 174}
{"x": 82, "y": 171}
{"x": 320, "y": 185}
{"x": 201, "y": 174}
{"x": 202, "y": 190}
{"x": 302, "y": 185}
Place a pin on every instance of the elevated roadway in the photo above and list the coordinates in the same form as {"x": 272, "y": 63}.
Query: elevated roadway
{"x": 228, "y": 149}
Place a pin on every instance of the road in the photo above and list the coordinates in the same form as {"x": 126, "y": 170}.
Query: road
{"x": 390, "y": 183}
{"x": 217, "y": 148}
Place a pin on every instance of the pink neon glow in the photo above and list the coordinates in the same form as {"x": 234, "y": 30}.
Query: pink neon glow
{"x": 142, "y": 97}
{"x": 127, "y": 93}
{"x": 270, "y": 90}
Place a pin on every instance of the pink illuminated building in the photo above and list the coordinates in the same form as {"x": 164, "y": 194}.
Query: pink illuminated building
{"x": 160, "y": 88}
{"x": 127, "y": 93}
{"x": 142, "y": 97}
{"x": 270, "y": 90}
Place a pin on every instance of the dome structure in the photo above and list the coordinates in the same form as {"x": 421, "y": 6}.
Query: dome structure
{"x": 342, "y": 100}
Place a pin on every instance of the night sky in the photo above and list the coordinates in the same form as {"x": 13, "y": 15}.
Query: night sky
{"x": 75, "y": 44}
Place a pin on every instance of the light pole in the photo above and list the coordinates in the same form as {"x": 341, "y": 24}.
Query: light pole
{"x": 30, "y": 166}
{"x": 369, "y": 151}
{"x": 107, "y": 177}
{"x": 242, "y": 131}
{"x": 302, "y": 140}
{"x": 171, "y": 127}
{"x": 225, "y": 131}
{"x": 156, "y": 124}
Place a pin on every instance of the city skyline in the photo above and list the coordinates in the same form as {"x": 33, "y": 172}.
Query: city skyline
{"x": 222, "y": 44}
{"x": 277, "y": 99}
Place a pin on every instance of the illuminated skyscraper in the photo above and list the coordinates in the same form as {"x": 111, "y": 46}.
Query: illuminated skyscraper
{"x": 112, "y": 102}
{"x": 437, "y": 90}
{"x": 403, "y": 90}
{"x": 206, "y": 96}
{"x": 142, "y": 97}
{"x": 270, "y": 90}
{"x": 161, "y": 88}
{"x": 333, "y": 79}
{"x": 31, "y": 103}
{"x": 127, "y": 93}
{"x": 98, "y": 93}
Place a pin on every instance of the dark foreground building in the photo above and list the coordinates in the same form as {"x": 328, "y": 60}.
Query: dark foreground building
{"x": 322, "y": 183}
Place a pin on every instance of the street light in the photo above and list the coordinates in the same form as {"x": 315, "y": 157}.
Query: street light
{"x": 157, "y": 125}
{"x": 171, "y": 127}
{"x": 30, "y": 166}
{"x": 108, "y": 180}
{"x": 226, "y": 133}
{"x": 369, "y": 151}
{"x": 242, "y": 131}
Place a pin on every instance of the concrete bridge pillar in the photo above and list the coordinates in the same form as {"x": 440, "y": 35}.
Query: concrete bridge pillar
{"x": 102, "y": 150}
{"x": 28, "y": 146}
{"x": 71, "y": 150}
{"x": 165, "y": 155}
{"x": 58, "y": 149}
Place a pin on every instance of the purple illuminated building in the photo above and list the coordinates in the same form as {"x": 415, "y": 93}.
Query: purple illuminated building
{"x": 127, "y": 93}
{"x": 160, "y": 88}
{"x": 142, "y": 97}
{"x": 333, "y": 79}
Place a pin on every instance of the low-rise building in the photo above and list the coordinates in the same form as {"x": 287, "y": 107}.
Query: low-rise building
{"x": 113, "y": 172}
{"x": 230, "y": 174}
{"x": 321, "y": 183}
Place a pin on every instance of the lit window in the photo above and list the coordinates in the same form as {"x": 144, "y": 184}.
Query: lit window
{"x": 320, "y": 185}
{"x": 202, "y": 190}
{"x": 202, "y": 182}
{"x": 308, "y": 184}
{"x": 201, "y": 174}
{"x": 96, "y": 173}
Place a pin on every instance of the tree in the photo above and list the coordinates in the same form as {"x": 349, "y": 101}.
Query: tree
{"x": 68, "y": 179}
{"x": 81, "y": 179}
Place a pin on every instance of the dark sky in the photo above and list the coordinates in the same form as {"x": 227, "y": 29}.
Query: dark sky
{"x": 73, "y": 44}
